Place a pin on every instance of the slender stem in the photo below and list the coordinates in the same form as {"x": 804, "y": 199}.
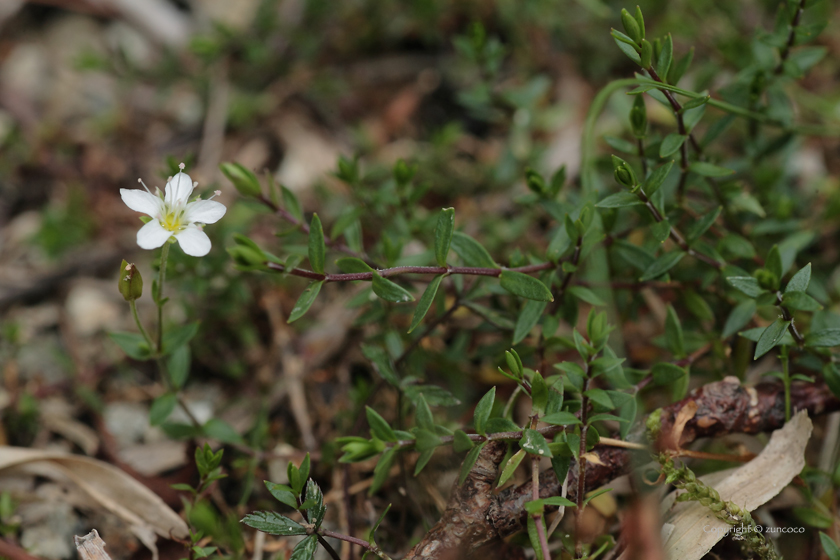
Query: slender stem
{"x": 641, "y": 143}
{"x": 398, "y": 270}
{"x": 364, "y": 544}
{"x": 791, "y": 37}
{"x": 538, "y": 517}
{"x": 164, "y": 256}
{"x": 133, "y": 304}
{"x": 330, "y": 550}
{"x": 429, "y": 328}
{"x": 785, "y": 357}
{"x": 675, "y": 105}
{"x": 581, "y": 489}
{"x": 794, "y": 332}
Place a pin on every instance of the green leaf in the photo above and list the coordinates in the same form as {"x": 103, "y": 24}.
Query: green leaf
{"x": 161, "y": 408}
{"x": 829, "y": 547}
{"x": 292, "y": 204}
{"x": 585, "y": 294}
{"x": 352, "y": 265}
{"x": 315, "y": 514}
{"x": 774, "y": 262}
{"x": 528, "y": 318}
{"x": 539, "y": 393}
{"x": 561, "y": 418}
{"x": 522, "y": 285}
{"x": 510, "y": 466}
{"x": 305, "y": 549}
{"x": 425, "y": 302}
{"x": 628, "y": 412}
{"x": 317, "y": 248}
{"x": 534, "y": 443}
{"x": 671, "y": 143}
{"x": 600, "y": 397}
{"x": 305, "y": 300}
{"x": 746, "y": 284}
{"x": 666, "y": 56}
{"x": 738, "y": 318}
{"x": 595, "y": 494}
{"x": 626, "y": 48}
{"x": 678, "y": 70}
{"x": 600, "y": 417}
{"x": 812, "y": 517}
{"x": 662, "y": 265}
{"x": 273, "y": 524}
{"x": 620, "y": 200}
{"x": 133, "y": 344}
{"x": 461, "y": 441}
{"x": 800, "y": 301}
{"x": 483, "y": 410}
{"x": 702, "y": 225}
{"x": 674, "y": 333}
{"x": 216, "y": 428}
{"x": 424, "y": 414}
{"x": 379, "y": 427}
{"x": 382, "y": 469}
{"x": 534, "y": 536}
{"x": 178, "y": 366}
{"x": 664, "y": 373}
{"x": 709, "y": 170}
{"x": 423, "y": 460}
{"x": 469, "y": 462}
{"x": 661, "y": 230}
{"x": 389, "y": 291}
{"x": 471, "y": 251}
{"x": 443, "y": 235}
{"x": 559, "y": 501}
{"x": 496, "y": 425}
{"x": 800, "y": 280}
{"x": 282, "y": 493}
{"x": 242, "y": 178}
{"x": 176, "y": 337}
{"x": 656, "y": 178}
{"x": 825, "y": 337}
{"x": 770, "y": 337}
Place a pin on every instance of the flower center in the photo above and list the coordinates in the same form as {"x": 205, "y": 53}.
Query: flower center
{"x": 172, "y": 220}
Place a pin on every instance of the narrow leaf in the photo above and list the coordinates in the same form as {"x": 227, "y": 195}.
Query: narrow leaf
{"x": 425, "y": 302}
{"x": 483, "y": 410}
{"x": 709, "y": 170}
{"x": 510, "y": 466}
{"x": 471, "y": 251}
{"x": 273, "y": 524}
{"x": 389, "y": 291}
{"x": 671, "y": 143}
{"x": 528, "y": 318}
{"x": 662, "y": 265}
{"x": 800, "y": 280}
{"x": 738, "y": 318}
{"x": 746, "y": 284}
{"x": 317, "y": 248}
{"x": 658, "y": 177}
{"x": 825, "y": 337}
{"x": 443, "y": 235}
{"x": 469, "y": 462}
{"x": 522, "y": 285}
{"x": 770, "y": 337}
{"x": 620, "y": 200}
{"x": 304, "y": 302}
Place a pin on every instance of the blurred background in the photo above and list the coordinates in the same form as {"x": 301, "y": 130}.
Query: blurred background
{"x": 96, "y": 93}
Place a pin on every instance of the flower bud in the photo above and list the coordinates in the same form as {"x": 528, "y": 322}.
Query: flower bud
{"x": 638, "y": 115}
{"x": 242, "y": 178}
{"x": 535, "y": 182}
{"x": 766, "y": 279}
{"x": 631, "y": 26}
{"x": 624, "y": 174}
{"x": 404, "y": 172}
{"x": 130, "y": 283}
{"x": 646, "y": 54}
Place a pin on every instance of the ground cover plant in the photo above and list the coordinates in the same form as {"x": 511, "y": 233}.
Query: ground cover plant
{"x": 505, "y": 281}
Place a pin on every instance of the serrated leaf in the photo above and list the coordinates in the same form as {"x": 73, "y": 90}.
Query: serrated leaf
{"x": 662, "y": 265}
{"x": 656, "y": 178}
{"x": 534, "y": 443}
{"x": 800, "y": 280}
{"x": 561, "y": 418}
{"x": 390, "y": 291}
{"x": 528, "y": 318}
{"x": 425, "y": 302}
{"x": 273, "y": 524}
{"x": 738, "y": 318}
{"x": 510, "y": 466}
{"x": 315, "y": 514}
{"x": 585, "y": 294}
{"x": 620, "y": 200}
{"x": 443, "y": 235}
{"x": 471, "y": 251}
{"x": 671, "y": 143}
{"x": 800, "y": 301}
{"x": 305, "y": 300}
{"x": 746, "y": 284}
{"x": 161, "y": 408}
{"x": 305, "y": 549}
{"x": 770, "y": 337}
{"x": 709, "y": 170}
{"x": 483, "y": 410}
{"x": 522, "y": 285}
{"x": 823, "y": 338}
{"x": 469, "y": 462}
{"x": 379, "y": 427}
{"x": 317, "y": 248}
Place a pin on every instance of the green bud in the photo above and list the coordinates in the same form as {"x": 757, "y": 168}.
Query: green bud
{"x": 243, "y": 179}
{"x": 689, "y": 475}
{"x": 716, "y": 507}
{"x": 535, "y": 181}
{"x": 130, "y": 282}
{"x": 705, "y": 501}
{"x": 624, "y": 174}
{"x": 246, "y": 257}
{"x": 691, "y": 487}
{"x": 646, "y": 55}
{"x": 640, "y": 20}
{"x": 631, "y": 26}
{"x": 766, "y": 279}
{"x": 685, "y": 497}
{"x": 638, "y": 115}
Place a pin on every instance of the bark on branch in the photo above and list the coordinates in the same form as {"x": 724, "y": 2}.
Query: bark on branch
{"x": 476, "y": 520}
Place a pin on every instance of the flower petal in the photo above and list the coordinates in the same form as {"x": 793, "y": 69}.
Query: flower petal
{"x": 178, "y": 189}
{"x": 152, "y": 235}
{"x": 205, "y": 211}
{"x": 142, "y": 201}
{"x": 193, "y": 241}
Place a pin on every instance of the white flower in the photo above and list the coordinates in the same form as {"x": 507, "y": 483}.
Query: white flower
{"x": 174, "y": 215}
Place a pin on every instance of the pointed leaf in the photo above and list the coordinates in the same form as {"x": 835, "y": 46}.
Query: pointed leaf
{"x": 746, "y": 284}
{"x": 471, "y": 251}
{"x": 469, "y": 462}
{"x": 425, "y": 302}
{"x": 709, "y": 170}
{"x": 800, "y": 301}
{"x": 305, "y": 301}
{"x": 671, "y": 143}
{"x": 483, "y": 410}
{"x": 770, "y": 337}
{"x": 823, "y": 338}
{"x": 273, "y": 524}
{"x": 317, "y": 248}
{"x": 510, "y": 466}
{"x": 656, "y": 178}
{"x": 738, "y": 318}
{"x": 352, "y": 265}
{"x": 443, "y": 235}
{"x": 390, "y": 291}
{"x": 522, "y": 285}
{"x": 800, "y": 280}
{"x": 379, "y": 427}
{"x": 662, "y": 265}
{"x": 620, "y": 200}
